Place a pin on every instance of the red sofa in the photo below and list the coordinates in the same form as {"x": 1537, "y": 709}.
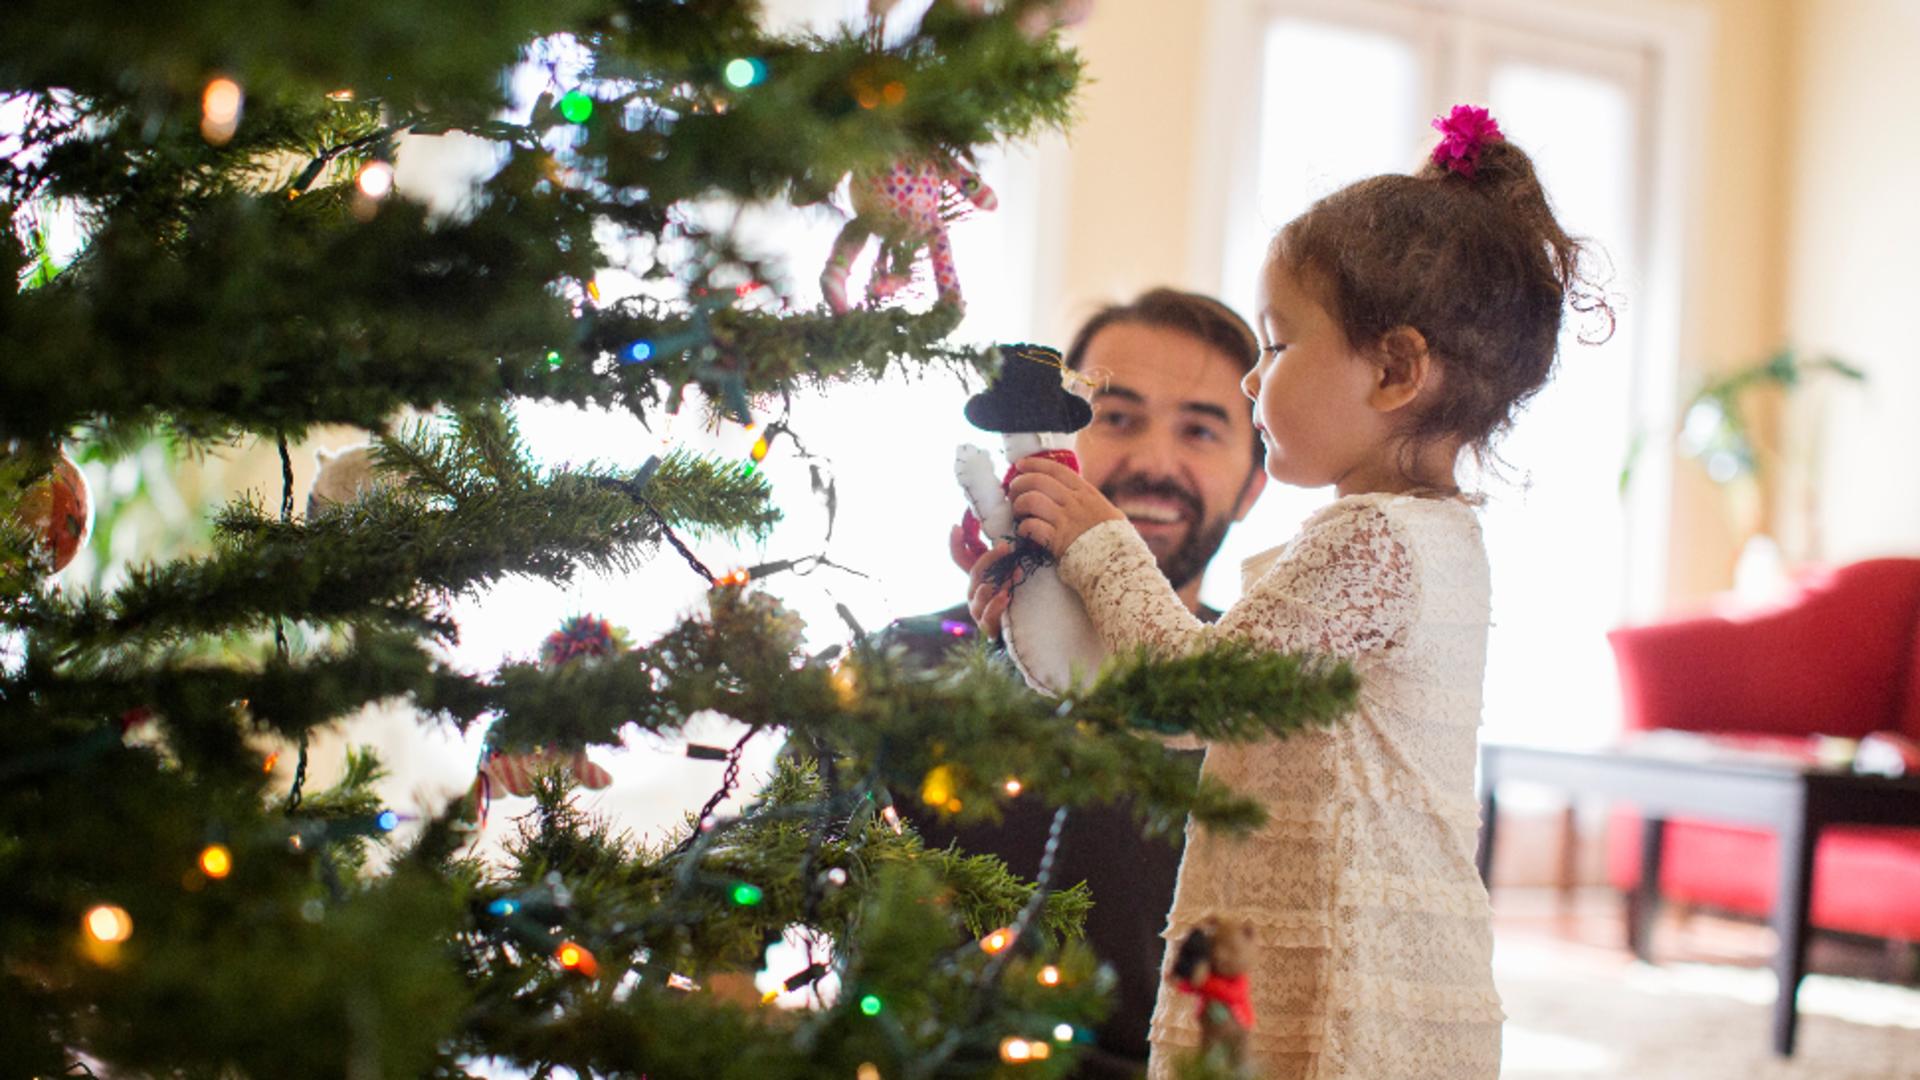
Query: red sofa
{"x": 1841, "y": 657}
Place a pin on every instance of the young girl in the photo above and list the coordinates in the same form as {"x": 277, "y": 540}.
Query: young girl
{"x": 1406, "y": 318}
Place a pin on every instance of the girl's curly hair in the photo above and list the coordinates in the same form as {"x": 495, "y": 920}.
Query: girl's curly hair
{"x": 1480, "y": 267}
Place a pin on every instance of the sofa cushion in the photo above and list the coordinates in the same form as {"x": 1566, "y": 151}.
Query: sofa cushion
{"x": 1866, "y": 879}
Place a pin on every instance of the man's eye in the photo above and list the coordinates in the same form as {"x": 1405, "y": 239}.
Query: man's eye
{"x": 1203, "y": 433}
{"x": 1115, "y": 419}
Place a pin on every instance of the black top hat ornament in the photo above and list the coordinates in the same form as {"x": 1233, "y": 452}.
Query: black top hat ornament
{"x": 1028, "y": 396}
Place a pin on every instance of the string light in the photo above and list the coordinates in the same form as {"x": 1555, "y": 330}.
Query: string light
{"x": 576, "y": 106}
{"x": 272, "y": 760}
{"x": 220, "y": 106}
{"x": 894, "y": 93}
{"x": 806, "y": 976}
{"x": 870, "y": 1004}
{"x": 735, "y": 578}
{"x": 554, "y": 358}
{"x": 953, "y": 806}
{"x": 1013, "y": 786}
{"x": 502, "y": 908}
{"x": 375, "y": 179}
{"x": 343, "y": 94}
{"x": 837, "y": 876}
{"x": 1049, "y": 976}
{"x": 108, "y": 924}
{"x": 997, "y": 942}
{"x": 593, "y": 290}
{"x": 867, "y": 1071}
{"x": 1063, "y": 1032}
{"x": 746, "y": 894}
{"x": 575, "y": 957}
{"x": 216, "y": 861}
{"x": 1015, "y": 1050}
{"x": 677, "y": 981}
{"x": 743, "y": 72}
{"x": 892, "y": 817}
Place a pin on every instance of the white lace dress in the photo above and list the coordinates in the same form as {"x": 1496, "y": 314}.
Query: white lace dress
{"x": 1375, "y": 934}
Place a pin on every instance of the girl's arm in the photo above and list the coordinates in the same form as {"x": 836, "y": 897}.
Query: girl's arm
{"x": 1345, "y": 589}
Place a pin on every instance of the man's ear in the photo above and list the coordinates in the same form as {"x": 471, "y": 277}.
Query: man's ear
{"x": 1250, "y": 492}
{"x": 1402, "y": 367}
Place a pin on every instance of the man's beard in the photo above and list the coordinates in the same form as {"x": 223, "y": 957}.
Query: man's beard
{"x": 1204, "y": 536}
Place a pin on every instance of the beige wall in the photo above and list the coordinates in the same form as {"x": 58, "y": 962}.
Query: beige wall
{"x": 1130, "y": 158}
{"x": 1853, "y": 273}
{"x": 1731, "y": 311}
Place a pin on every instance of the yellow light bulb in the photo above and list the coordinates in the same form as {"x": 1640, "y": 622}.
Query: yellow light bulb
{"x": 867, "y": 1071}
{"x": 216, "y": 861}
{"x": 998, "y": 940}
{"x": 937, "y": 788}
{"x": 1013, "y": 785}
{"x": 1015, "y": 1050}
{"x": 375, "y": 179}
{"x": 1049, "y": 976}
{"x": 109, "y": 924}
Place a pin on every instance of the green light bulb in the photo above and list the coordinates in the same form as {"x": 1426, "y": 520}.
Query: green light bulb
{"x": 576, "y": 106}
{"x": 870, "y": 1004}
{"x": 746, "y": 895}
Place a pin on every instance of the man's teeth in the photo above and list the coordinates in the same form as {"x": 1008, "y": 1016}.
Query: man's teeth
{"x": 1157, "y": 512}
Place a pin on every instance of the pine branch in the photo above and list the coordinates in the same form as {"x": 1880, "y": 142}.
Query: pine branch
{"x": 389, "y": 556}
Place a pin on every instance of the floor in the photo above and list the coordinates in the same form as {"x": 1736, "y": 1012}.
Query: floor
{"x": 1580, "y": 1007}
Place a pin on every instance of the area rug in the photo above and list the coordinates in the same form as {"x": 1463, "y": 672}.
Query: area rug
{"x": 1576, "y": 1012}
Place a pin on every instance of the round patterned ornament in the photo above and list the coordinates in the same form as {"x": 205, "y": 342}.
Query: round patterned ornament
{"x": 56, "y": 512}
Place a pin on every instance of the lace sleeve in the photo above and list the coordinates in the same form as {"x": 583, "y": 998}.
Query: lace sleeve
{"x": 1345, "y": 588}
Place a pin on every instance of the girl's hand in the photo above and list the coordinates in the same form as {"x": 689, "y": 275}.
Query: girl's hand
{"x": 966, "y": 549}
{"x": 1056, "y": 504}
{"x": 986, "y": 602}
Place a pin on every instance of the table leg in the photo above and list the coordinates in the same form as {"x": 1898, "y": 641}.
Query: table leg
{"x": 1489, "y": 811}
{"x": 1644, "y": 906}
{"x": 1798, "y": 837}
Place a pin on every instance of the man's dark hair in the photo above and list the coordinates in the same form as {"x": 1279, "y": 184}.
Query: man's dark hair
{"x": 1197, "y": 316}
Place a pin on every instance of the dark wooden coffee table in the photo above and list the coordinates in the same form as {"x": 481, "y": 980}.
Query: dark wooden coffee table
{"x": 1793, "y": 799}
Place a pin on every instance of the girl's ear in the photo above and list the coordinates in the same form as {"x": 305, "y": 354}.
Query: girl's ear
{"x": 1403, "y": 366}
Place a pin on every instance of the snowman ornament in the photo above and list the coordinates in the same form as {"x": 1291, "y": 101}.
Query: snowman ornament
{"x": 1045, "y": 629}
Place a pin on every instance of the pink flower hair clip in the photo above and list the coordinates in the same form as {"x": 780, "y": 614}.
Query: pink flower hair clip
{"x": 1464, "y": 133}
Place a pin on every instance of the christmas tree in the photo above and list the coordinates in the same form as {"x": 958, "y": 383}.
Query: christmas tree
{"x": 245, "y": 270}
